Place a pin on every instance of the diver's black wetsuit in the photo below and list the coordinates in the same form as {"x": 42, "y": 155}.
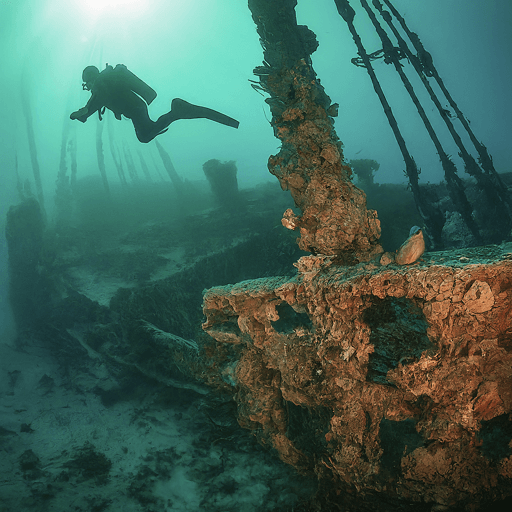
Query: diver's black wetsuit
{"x": 113, "y": 89}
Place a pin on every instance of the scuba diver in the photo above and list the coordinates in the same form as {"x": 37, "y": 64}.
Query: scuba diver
{"x": 119, "y": 90}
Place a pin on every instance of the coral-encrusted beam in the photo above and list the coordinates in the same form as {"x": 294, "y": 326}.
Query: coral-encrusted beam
{"x": 334, "y": 219}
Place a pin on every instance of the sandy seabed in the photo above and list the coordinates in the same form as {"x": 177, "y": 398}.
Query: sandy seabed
{"x": 66, "y": 447}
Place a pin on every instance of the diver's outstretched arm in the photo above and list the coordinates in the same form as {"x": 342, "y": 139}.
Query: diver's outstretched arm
{"x": 81, "y": 114}
{"x": 92, "y": 106}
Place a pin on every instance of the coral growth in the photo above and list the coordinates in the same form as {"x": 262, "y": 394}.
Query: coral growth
{"x": 334, "y": 219}
{"x": 399, "y": 377}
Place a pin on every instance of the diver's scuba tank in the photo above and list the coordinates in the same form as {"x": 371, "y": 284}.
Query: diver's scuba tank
{"x": 135, "y": 83}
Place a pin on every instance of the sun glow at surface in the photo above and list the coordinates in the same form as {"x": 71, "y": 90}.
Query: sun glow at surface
{"x": 95, "y": 8}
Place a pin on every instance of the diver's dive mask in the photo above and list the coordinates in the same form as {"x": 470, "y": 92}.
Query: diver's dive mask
{"x": 89, "y": 76}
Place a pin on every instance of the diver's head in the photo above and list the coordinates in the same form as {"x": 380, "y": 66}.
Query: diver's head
{"x": 89, "y": 75}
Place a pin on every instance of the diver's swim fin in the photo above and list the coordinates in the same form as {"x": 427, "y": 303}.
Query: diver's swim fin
{"x": 181, "y": 109}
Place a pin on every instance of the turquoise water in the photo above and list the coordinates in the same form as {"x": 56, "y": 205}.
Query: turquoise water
{"x": 204, "y": 51}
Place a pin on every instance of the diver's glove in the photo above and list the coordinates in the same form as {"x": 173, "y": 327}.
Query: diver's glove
{"x": 82, "y": 113}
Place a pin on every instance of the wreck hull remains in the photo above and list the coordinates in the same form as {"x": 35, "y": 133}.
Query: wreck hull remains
{"x": 391, "y": 383}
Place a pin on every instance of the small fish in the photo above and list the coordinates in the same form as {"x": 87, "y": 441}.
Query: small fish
{"x": 412, "y": 249}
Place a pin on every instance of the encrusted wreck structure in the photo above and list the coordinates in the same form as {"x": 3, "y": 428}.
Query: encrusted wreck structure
{"x": 392, "y": 383}
{"x": 334, "y": 218}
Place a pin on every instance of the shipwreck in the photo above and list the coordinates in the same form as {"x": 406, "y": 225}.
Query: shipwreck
{"x": 388, "y": 380}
